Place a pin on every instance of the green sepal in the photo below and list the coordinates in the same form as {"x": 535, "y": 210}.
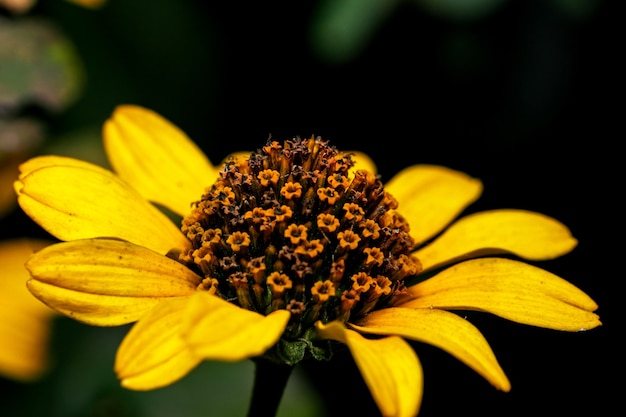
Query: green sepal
{"x": 290, "y": 352}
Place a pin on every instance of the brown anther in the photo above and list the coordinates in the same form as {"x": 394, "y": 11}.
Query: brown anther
{"x": 228, "y": 262}
{"x": 241, "y": 179}
{"x": 232, "y": 212}
{"x": 286, "y": 253}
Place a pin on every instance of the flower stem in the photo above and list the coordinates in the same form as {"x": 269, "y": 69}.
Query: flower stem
{"x": 270, "y": 380}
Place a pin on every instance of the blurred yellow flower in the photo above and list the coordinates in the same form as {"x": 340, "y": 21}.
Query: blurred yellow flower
{"x": 22, "y": 6}
{"x": 283, "y": 253}
{"x": 25, "y": 322}
{"x": 8, "y": 168}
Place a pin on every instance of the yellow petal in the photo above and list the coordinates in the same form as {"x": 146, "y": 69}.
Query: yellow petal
{"x": 444, "y": 330}
{"x": 80, "y": 200}
{"x": 13, "y": 255}
{"x": 218, "y": 330}
{"x": 25, "y": 342}
{"x": 389, "y": 367}
{"x": 430, "y": 197}
{"x": 157, "y": 158}
{"x": 106, "y": 282}
{"x": 44, "y": 161}
{"x": 510, "y": 289}
{"x": 527, "y": 234}
{"x": 25, "y": 322}
{"x": 153, "y": 355}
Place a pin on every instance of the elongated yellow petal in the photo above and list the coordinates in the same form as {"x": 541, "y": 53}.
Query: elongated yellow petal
{"x": 153, "y": 355}
{"x": 388, "y": 365}
{"x": 157, "y": 158}
{"x": 218, "y": 330}
{"x": 78, "y": 202}
{"x": 25, "y": 322}
{"x": 444, "y": 330}
{"x": 527, "y": 234}
{"x": 44, "y": 161}
{"x": 106, "y": 282}
{"x": 510, "y": 289}
{"x": 430, "y": 197}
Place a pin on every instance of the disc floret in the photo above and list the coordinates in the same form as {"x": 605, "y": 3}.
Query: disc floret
{"x": 295, "y": 227}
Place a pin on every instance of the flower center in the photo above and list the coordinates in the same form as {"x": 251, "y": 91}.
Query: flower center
{"x": 292, "y": 228}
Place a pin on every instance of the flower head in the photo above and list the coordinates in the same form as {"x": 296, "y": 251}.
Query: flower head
{"x": 285, "y": 254}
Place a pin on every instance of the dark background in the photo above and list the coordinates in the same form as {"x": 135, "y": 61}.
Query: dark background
{"x": 524, "y": 97}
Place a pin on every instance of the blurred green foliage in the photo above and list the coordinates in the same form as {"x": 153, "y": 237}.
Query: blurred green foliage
{"x": 342, "y": 29}
{"x": 39, "y": 65}
{"x": 224, "y": 72}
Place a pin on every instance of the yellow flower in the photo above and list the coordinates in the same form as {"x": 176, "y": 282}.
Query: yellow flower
{"x": 24, "y": 321}
{"x": 201, "y": 291}
{"x": 23, "y": 6}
